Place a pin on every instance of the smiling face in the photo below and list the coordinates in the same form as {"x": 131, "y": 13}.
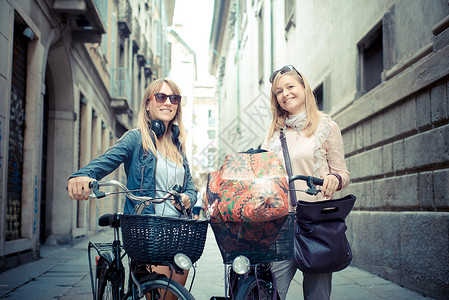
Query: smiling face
{"x": 290, "y": 94}
{"x": 162, "y": 111}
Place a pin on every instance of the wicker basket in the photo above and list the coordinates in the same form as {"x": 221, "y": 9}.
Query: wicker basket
{"x": 154, "y": 239}
{"x": 232, "y": 243}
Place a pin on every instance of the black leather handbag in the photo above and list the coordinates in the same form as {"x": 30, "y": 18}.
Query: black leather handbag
{"x": 321, "y": 245}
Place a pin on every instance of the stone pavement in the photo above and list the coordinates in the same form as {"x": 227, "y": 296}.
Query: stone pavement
{"x": 63, "y": 273}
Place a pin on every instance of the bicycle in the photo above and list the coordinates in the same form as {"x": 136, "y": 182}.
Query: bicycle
{"x": 248, "y": 272}
{"x": 147, "y": 240}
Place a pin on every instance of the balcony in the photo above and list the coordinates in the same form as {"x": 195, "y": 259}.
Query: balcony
{"x": 83, "y": 19}
{"x": 120, "y": 90}
{"x": 148, "y": 72}
{"x": 149, "y": 67}
{"x": 141, "y": 60}
{"x": 124, "y": 18}
{"x": 141, "y": 55}
{"x": 136, "y": 36}
{"x": 144, "y": 45}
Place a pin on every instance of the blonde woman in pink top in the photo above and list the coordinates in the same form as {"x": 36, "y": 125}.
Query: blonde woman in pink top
{"x": 315, "y": 147}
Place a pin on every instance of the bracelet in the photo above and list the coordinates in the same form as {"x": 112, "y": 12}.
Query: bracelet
{"x": 339, "y": 179}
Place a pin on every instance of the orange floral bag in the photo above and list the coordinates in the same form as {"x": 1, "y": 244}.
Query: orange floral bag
{"x": 248, "y": 201}
{"x": 248, "y": 188}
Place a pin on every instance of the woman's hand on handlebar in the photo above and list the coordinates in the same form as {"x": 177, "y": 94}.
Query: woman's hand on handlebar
{"x": 78, "y": 187}
{"x": 185, "y": 200}
{"x": 330, "y": 185}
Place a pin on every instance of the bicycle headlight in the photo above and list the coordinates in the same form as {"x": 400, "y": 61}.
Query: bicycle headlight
{"x": 240, "y": 265}
{"x": 183, "y": 261}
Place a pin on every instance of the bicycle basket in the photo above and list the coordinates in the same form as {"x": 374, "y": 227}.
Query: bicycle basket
{"x": 259, "y": 242}
{"x": 154, "y": 239}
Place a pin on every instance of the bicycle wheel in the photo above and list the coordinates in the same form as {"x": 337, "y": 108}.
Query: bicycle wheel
{"x": 108, "y": 282}
{"x": 157, "y": 287}
{"x": 250, "y": 291}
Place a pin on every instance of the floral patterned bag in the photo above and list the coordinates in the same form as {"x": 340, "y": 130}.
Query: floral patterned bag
{"x": 248, "y": 200}
{"x": 249, "y": 187}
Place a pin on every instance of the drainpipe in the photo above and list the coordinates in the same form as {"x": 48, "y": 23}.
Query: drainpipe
{"x": 219, "y": 92}
{"x": 129, "y": 89}
{"x": 237, "y": 56}
{"x": 271, "y": 39}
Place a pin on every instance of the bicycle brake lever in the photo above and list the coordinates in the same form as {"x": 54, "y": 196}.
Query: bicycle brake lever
{"x": 312, "y": 188}
{"x": 312, "y": 191}
{"x": 177, "y": 189}
{"x": 95, "y": 188}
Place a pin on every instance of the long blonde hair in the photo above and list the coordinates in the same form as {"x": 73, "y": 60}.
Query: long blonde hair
{"x": 279, "y": 114}
{"x": 163, "y": 144}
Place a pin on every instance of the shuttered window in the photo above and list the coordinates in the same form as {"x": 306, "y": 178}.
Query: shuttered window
{"x": 16, "y": 133}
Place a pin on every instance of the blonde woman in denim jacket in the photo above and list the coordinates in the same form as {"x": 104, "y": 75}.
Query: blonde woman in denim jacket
{"x": 315, "y": 146}
{"x": 153, "y": 157}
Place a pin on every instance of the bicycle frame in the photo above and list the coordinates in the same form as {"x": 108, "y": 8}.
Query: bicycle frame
{"x": 234, "y": 282}
{"x": 109, "y": 268}
{"x": 110, "y": 252}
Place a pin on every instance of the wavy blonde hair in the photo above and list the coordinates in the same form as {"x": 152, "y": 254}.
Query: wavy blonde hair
{"x": 163, "y": 144}
{"x": 279, "y": 114}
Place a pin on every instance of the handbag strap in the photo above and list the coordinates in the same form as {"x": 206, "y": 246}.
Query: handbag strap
{"x": 288, "y": 166}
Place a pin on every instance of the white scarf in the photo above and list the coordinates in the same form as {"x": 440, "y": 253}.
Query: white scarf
{"x": 296, "y": 121}
{"x": 321, "y": 133}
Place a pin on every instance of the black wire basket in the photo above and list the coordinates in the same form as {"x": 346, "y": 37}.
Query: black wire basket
{"x": 234, "y": 239}
{"x": 151, "y": 239}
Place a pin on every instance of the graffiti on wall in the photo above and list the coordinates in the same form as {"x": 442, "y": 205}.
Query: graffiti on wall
{"x": 35, "y": 204}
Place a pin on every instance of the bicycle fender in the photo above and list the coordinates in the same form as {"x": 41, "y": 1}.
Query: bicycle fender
{"x": 108, "y": 256}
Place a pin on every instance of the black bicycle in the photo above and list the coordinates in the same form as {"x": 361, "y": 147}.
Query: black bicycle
{"x": 148, "y": 240}
{"x": 248, "y": 272}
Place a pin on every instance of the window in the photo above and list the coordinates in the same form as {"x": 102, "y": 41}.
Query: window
{"x": 242, "y": 18}
{"x": 211, "y": 158}
{"x": 102, "y": 7}
{"x": 211, "y": 118}
{"x": 371, "y": 58}
{"x": 211, "y": 134}
{"x": 318, "y": 92}
{"x": 242, "y": 10}
{"x": 290, "y": 7}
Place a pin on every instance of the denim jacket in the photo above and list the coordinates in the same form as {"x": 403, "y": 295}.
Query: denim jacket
{"x": 140, "y": 169}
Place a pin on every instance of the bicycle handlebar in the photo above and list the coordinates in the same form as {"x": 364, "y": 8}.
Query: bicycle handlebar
{"x": 311, "y": 182}
{"x": 144, "y": 201}
{"x": 314, "y": 180}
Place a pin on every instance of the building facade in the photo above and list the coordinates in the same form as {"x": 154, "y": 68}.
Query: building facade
{"x": 380, "y": 69}
{"x": 183, "y": 72}
{"x": 72, "y": 78}
{"x": 199, "y": 107}
{"x": 205, "y": 131}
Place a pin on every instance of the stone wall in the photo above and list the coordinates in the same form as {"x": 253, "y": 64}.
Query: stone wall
{"x": 398, "y": 156}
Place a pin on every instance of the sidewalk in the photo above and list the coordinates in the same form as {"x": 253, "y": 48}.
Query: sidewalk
{"x": 63, "y": 274}
{"x": 349, "y": 284}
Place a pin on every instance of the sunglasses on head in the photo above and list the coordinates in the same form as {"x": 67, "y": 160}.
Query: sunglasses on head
{"x": 161, "y": 98}
{"x": 283, "y": 70}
